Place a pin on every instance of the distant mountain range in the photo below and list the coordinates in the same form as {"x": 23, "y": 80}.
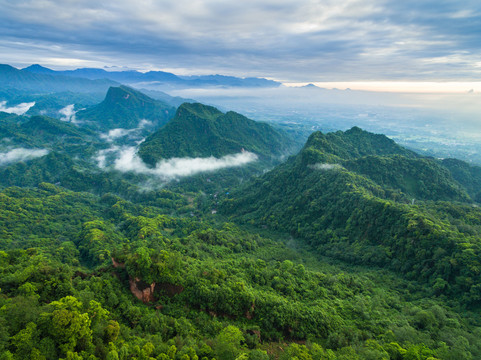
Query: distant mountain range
{"x": 38, "y": 82}
{"x": 160, "y": 77}
{"x": 199, "y": 130}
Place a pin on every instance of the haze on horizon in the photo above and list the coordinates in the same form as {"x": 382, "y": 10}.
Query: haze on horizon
{"x": 298, "y": 41}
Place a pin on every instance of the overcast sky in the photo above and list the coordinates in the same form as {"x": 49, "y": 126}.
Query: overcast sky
{"x": 286, "y": 40}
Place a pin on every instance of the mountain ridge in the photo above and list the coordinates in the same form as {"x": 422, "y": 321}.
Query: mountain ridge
{"x": 359, "y": 207}
{"x": 133, "y": 76}
{"x": 201, "y": 131}
{"x": 13, "y": 78}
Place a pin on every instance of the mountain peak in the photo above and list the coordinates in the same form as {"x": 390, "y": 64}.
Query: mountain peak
{"x": 124, "y": 107}
{"x": 118, "y": 92}
{"x": 347, "y": 145}
{"x": 199, "y": 110}
{"x": 125, "y": 94}
{"x": 356, "y": 130}
{"x": 310, "y": 86}
{"x": 199, "y": 130}
{"x": 38, "y": 69}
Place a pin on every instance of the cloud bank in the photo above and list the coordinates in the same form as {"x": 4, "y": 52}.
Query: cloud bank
{"x": 118, "y": 133}
{"x": 68, "y": 113}
{"x": 19, "y": 109}
{"x": 21, "y": 154}
{"x": 125, "y": 159}
{"x": 290, "y": 40}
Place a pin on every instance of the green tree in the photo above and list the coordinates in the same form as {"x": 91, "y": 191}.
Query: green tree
{"x": 229, "y": 341}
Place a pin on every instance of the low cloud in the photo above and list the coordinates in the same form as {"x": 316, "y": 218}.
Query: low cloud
{"x": 21, "y": 154}
{"x": 118, "y": 133}
{"x": 19, "y": 109}
{"x": 145, "y": 123}
{"x": 68, "y": 113}
{"x": 320, "y": 166}
{"x": 125, "y": 159}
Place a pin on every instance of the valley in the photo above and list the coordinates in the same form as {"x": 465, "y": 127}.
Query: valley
{"x": 141, "y": 226}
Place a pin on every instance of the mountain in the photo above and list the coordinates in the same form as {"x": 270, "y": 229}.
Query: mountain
{"x": 201, "y": 131}
{"x": 229, "y": 81}
{"x": 159, "y": 77}
{"x": 48, "y": 82}
{"x": 124, "y": 107}
{"x": 351, "y": 144}
{"x": 120, "y": 76}
{"x": 355, "y": 202}
{"x": 38, "y": 69}
{"x": 46, "y": 133}
{"x": 49, "y": 129}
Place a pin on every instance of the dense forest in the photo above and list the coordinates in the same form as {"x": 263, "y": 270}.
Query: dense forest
{"x": 354, "y": 248}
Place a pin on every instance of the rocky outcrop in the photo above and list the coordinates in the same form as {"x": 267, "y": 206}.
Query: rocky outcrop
{"x": 148, "y": 293}
{"x": 142, "y": 290}
{"x": 116, "y": 264}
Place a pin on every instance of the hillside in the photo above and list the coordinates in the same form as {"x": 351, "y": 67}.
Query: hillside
{"x": 467, "y": 175}
{"x": 351, "y": 203}
{"x": 124, "y": 107}
{"x": 201, "y": 131}
{"x": 99, "y": 276}
{"x": 47, "y": 133}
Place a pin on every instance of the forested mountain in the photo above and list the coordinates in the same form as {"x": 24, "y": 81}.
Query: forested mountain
{"x": 201, "y": 131}
{"x": 44, "y": 132}
{"x": 348, "y": 145}
{"x": 355, "y": 202}
{"x": 124, "y": 107}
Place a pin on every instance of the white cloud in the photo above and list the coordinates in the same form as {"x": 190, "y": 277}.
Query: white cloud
{"x": 68, "y": 113}
{"x": 21, "y": 154}
{"x": 326, "y": 40}
{"x": 125, "y": 159}
{"x": 115, "y": 134}
{"x": 325, "y": 166}
{"x": 19, "y": 109}
{"x": 106, "y": 155}
{"x": 145, "y": 123}
{"x": 120, "y": 132}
